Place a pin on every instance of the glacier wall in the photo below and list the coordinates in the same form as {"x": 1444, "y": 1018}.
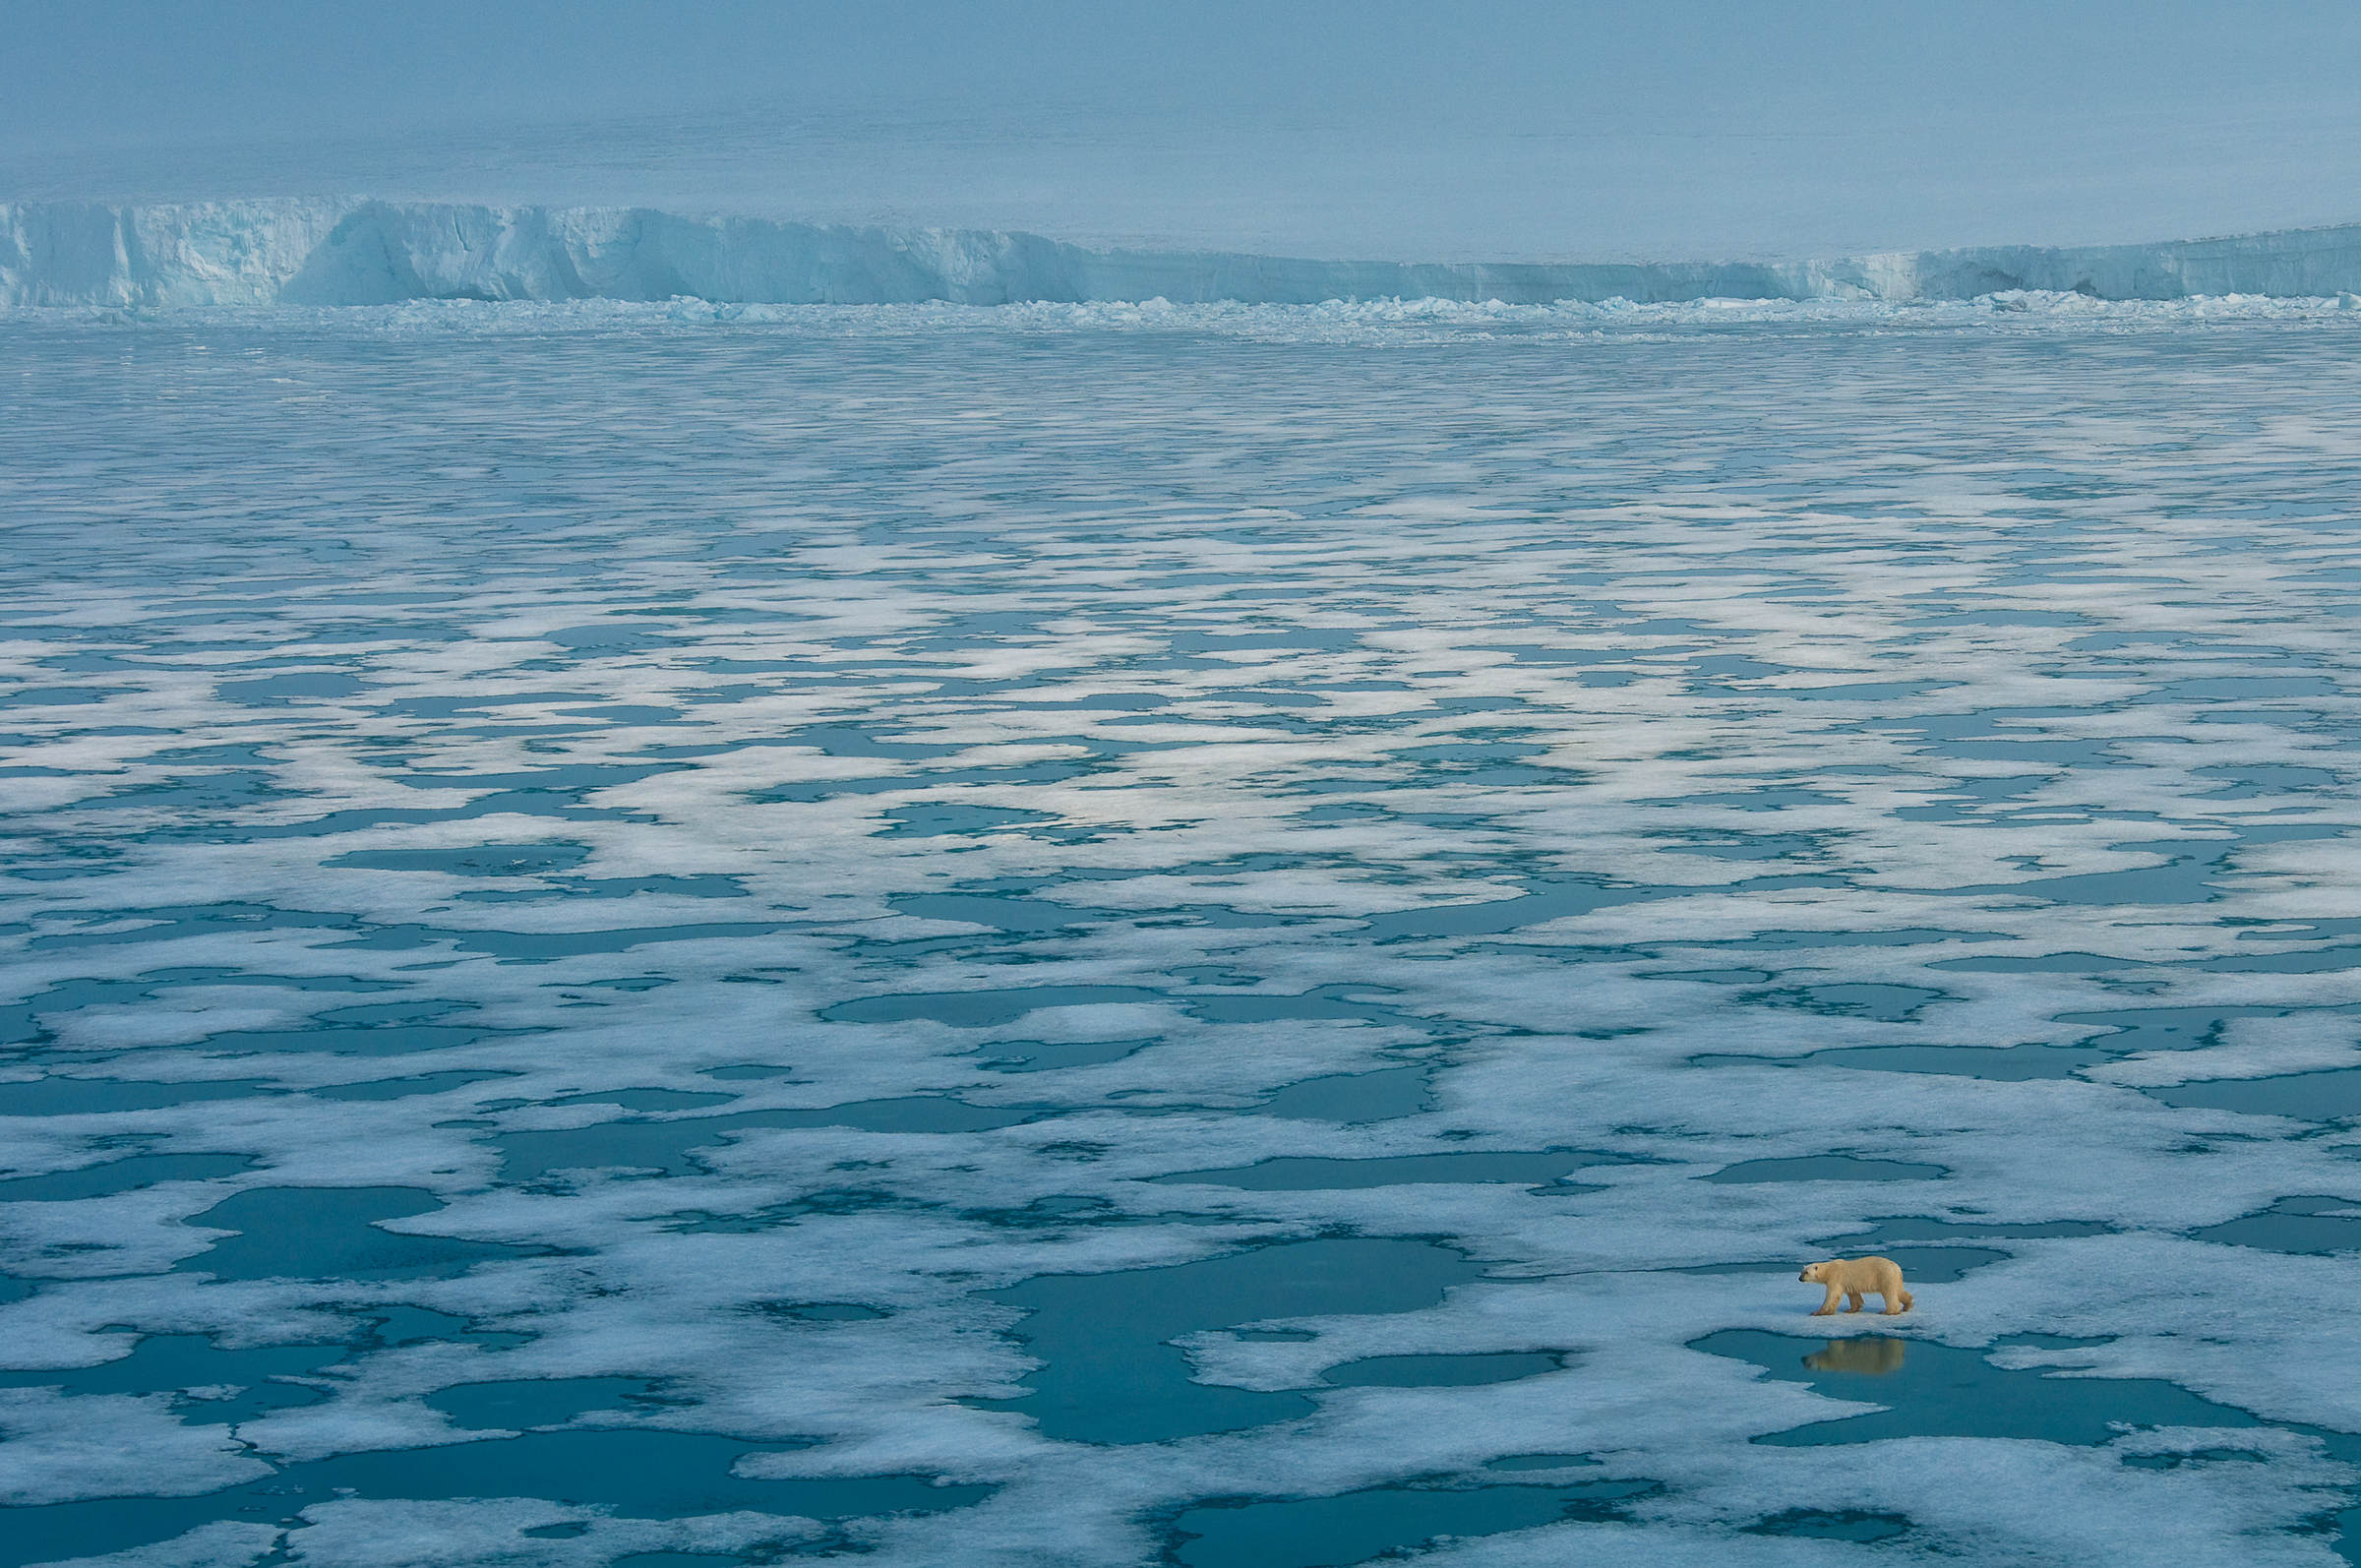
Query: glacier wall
{"x": 364, "y": 252}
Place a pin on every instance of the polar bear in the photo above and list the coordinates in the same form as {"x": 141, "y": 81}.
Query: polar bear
{"x": 1851, "y": 1278}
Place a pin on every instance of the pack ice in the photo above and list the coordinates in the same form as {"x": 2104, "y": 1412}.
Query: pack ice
{"x": 946, "y": 936}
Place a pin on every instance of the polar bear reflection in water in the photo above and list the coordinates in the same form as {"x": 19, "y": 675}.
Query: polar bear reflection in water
{"x": 1870, "y": 1358}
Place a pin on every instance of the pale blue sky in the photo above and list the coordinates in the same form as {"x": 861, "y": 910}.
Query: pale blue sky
{"x": 1508, "y": 129}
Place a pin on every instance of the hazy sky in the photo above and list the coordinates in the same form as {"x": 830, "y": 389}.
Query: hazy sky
{"x": 1508, "y": 129}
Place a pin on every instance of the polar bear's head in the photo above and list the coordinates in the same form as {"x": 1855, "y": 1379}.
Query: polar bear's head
{"x": 1815, "y": 1273}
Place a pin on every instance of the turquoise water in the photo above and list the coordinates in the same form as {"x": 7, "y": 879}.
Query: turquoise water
{"x": 969, "y": 938}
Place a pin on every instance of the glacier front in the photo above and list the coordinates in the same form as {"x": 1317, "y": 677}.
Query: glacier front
{"x": 354, "y": 251}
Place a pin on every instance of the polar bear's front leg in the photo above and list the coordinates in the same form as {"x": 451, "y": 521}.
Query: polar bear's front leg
{"x": 1852, "y": 1300}
{"x": 1828, "y": 1306}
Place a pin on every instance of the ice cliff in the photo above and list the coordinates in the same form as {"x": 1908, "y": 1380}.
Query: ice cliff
{"x": 360, "y": 251}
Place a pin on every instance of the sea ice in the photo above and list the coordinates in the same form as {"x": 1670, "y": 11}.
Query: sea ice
{"x": 799, "y": 906}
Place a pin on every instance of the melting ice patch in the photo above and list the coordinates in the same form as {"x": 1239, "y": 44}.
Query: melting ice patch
{"x": 1081, "y": 934}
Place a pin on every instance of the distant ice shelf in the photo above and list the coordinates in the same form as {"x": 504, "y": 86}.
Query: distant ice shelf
{"x": 364, "y": 252}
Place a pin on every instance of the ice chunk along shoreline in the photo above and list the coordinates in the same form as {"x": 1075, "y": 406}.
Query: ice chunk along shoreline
{"x": 353, "y": 251}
